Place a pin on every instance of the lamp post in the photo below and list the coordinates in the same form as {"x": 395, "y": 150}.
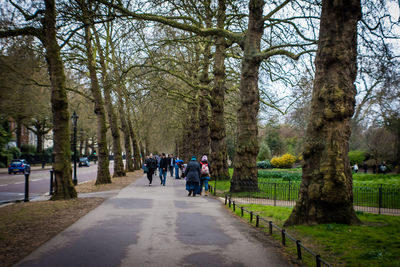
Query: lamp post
{"x": 74, "y": 122}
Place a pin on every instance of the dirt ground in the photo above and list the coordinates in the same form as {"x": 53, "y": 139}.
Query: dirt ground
{"x": 25, "y": 226}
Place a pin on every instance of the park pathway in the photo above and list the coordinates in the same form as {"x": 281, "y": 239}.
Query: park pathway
{"x": 158, "y": 226}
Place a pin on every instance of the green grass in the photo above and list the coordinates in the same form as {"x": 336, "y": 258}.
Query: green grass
{"x": 374, "y": 243}
{"x": 376, "y": 179}
{"x": 366, "y": 190}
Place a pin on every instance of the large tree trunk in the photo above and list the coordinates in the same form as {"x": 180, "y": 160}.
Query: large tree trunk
{"x": 116, "y": 137}
{"x": 103, "y": 172}
{"x": 81, "y": 143}
{"x": 142, "y": 152}
{"x": 186, "y": 141}
{"x": 135, "y": 146}
{"x": 64, "y": 188}
{"x": 39, "y": 142}
{"x": 326, "y": 193}
{"x": 219, "y": 164}
{"x": 125, "y": 130}
{"x": 204, "y": 125}
{"x": 112, "y": 118}
{"x": 18, "y": 133}
{"x": 87, "y": 146}
{"x": 245, "y": 164}
{"x": 193, "y": 125}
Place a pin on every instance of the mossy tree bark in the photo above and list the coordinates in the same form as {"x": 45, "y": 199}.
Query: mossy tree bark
{"x": 18, "y": 132}
{"x": 193, "y": 126}
{"x": 64, "y": 188}
{"x": 326, "y": 194}
{"x": 204, "y": 122}
{"x": 142, "y": 152}
{"x": 103, "y": 172}
{"x": 245, "y": 175}
{"x": 119, "y": 170}
{"x": 125, "y": 130}
{"x": 219, "y": 164}
{"x": 186, "y": 140}
{"x": 137, "y": 165}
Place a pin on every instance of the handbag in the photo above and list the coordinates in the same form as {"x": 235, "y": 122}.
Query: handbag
{"x": 145, "y": 169}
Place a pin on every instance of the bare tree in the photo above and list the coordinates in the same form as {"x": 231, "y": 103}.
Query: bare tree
{"x": 46, "y": 33}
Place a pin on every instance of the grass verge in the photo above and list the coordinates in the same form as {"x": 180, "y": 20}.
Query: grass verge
{"x": 374, "y": 243}
{"x": 26, "y": 226}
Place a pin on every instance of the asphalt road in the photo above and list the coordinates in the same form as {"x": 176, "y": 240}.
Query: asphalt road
{"x": 12, "y": 186}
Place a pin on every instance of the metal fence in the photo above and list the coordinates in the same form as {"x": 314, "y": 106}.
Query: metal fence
{"x": 275, "y": 229}
{"x": 379, "y": 199}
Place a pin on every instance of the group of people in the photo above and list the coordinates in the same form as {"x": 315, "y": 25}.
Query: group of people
{"x": 163, "y": 164}
{"x": 381, "y": 168}
{"x": 196, "y": 174}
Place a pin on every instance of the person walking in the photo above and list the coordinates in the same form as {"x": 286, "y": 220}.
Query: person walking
{"x": 163, "y": 168}
{"x": 158, "y": 166}
{"x": 177, "y": 160}
{"x": 149, "y": 166}
{"x": 355, "y": 167}
{"x": 204, "y": 174}
{"x": 171, "y": 164}
{"x": 383, "y": 167}
{"x": 365, "y": 167}
{"x": 192, "y": 174}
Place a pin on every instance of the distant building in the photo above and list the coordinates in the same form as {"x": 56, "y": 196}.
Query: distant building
{"x": 27, "y": 136}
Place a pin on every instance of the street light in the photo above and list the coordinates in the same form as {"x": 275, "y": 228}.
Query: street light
{"x": 74, "y": 122}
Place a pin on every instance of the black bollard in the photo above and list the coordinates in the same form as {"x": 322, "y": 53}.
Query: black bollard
{"x": 26, "y": 199}
{"x": 51, "y": 182}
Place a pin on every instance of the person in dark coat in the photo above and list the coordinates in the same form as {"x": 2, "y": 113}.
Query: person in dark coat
{"x": 192, "y": 174}
{"x": 163, "y": 168}
{"x": 171, "y": 164}
{"x": 151, "y": 165}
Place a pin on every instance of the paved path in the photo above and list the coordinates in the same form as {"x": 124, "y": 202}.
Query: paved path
{"x": 158, "y": 226}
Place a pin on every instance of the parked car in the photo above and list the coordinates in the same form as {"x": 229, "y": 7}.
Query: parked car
{"x": 19, "y": 165}
{"x": 84, "y": 161}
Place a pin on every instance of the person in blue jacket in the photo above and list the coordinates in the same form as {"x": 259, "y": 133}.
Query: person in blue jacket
{"x": 177, "y": 164}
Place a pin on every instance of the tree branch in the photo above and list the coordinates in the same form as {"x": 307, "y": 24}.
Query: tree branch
{"x": 236, "y": 37}
{"x": 26, "y": 15}
{"x": 273, "y": 12}
{"x": 22, "y": 32}
{"x": 267, "y": 54}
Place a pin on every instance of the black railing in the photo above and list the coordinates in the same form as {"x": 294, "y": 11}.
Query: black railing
{"x": 379, "y": 199}
{"x": 284, "y": 236}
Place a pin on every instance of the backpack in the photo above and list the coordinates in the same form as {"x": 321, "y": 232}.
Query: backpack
{"x": 204, "y": 169}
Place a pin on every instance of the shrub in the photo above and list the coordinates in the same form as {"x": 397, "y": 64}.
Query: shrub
{"x": 264, "y": 154}
{"x": 28, "y": 149}
{"x": 286, "y": 161}
{"x": 264, "y": 164}
{"x": 280, "y": 175}
{"x": 356, "y": 156}
{"x": 15, "y": 152}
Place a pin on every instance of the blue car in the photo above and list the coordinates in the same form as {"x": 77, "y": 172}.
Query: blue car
{"x": 19, "y": 165}
{"x": 84, "y": 161}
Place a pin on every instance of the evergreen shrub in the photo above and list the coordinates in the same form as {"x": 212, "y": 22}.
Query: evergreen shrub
{"x": 265, "y": 164}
